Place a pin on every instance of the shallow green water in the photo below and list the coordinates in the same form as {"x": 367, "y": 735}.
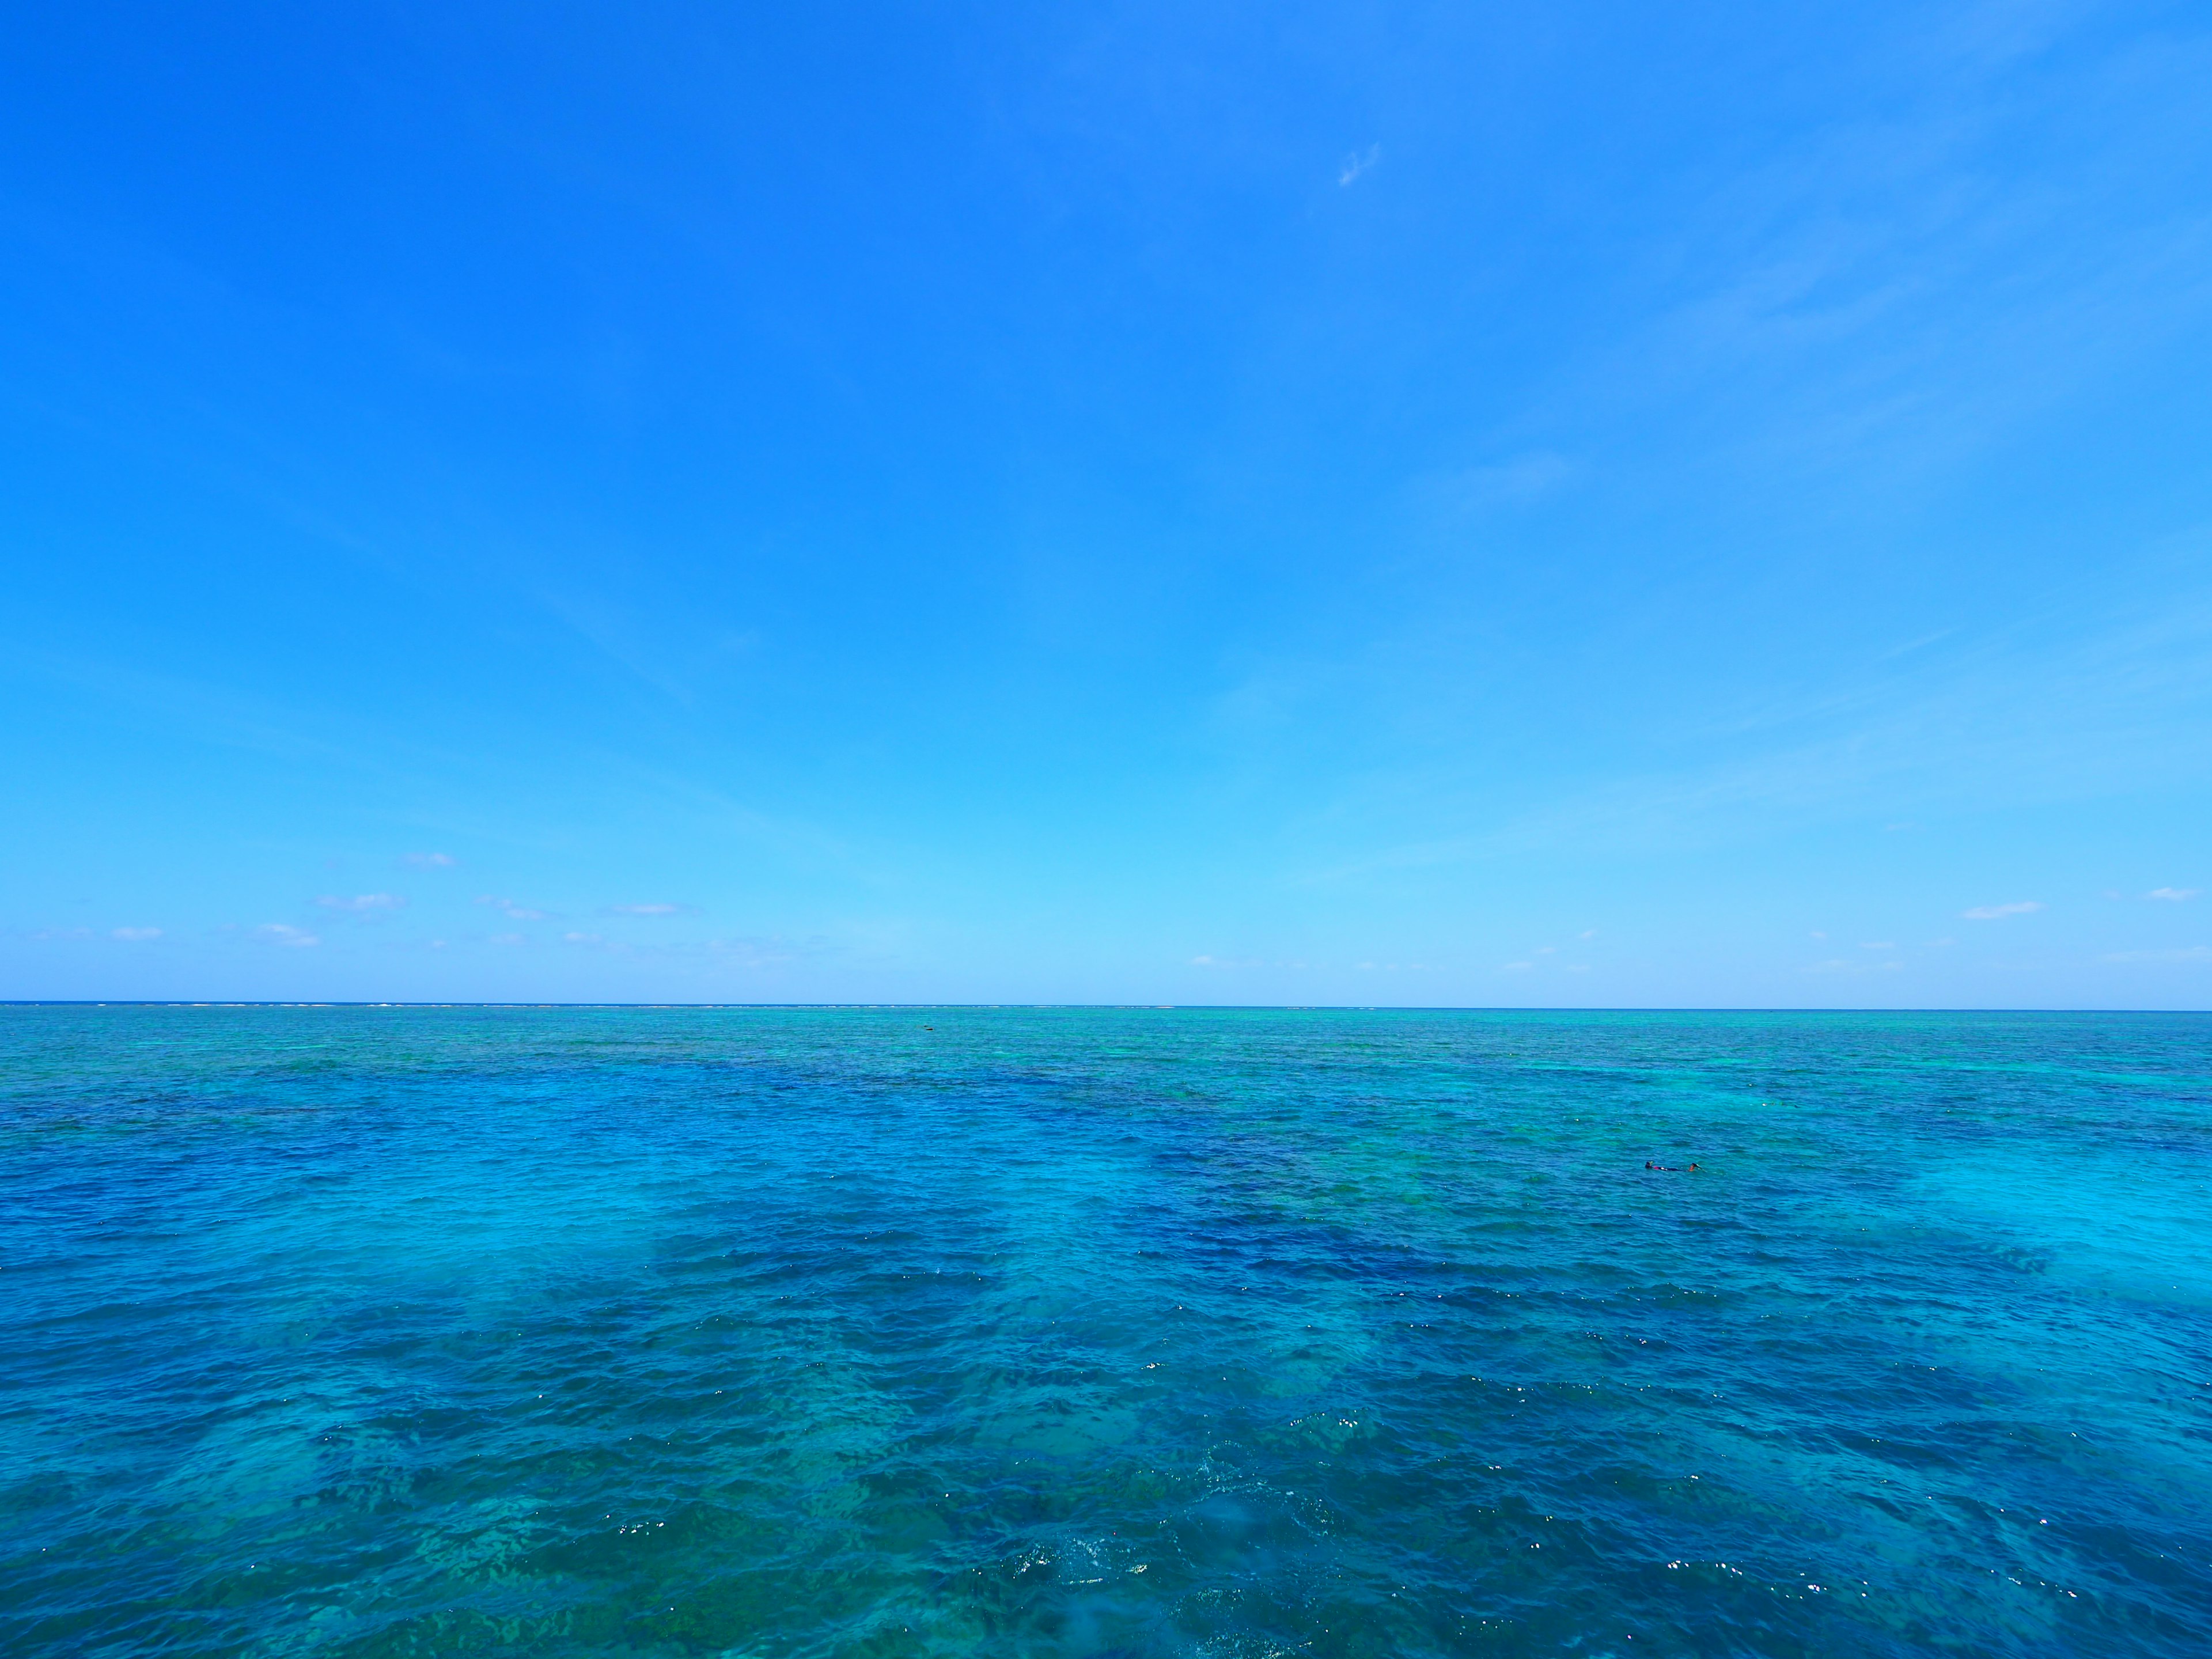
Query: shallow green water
{"x": 361, "y": 1331}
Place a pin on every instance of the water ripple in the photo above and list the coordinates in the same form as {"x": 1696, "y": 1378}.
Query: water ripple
{"x": 388, "y": 1331}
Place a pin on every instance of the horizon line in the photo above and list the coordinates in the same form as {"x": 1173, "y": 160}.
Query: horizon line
{"x": 1115, "y": 1007}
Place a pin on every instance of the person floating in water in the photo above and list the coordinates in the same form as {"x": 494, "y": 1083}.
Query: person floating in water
{"x": 1669, "y": 1169}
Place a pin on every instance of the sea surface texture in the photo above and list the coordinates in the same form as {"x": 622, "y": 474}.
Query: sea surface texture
{"x": 780, "y": 1332}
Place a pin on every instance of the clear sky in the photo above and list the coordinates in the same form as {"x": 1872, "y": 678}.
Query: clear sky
{"x": 1611, "y": 505}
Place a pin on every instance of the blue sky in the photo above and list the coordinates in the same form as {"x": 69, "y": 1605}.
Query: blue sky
{"x": 1491, "y": 505}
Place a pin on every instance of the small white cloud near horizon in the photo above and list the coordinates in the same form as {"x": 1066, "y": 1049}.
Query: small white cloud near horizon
{"x": 1817, "y": 933}
{"x": 134, "y": 934}
{"x": 2175, "y": 895}
{"x": 512, "y": 911}
{"x": 1357, "y": 163}
{"x": 1998, "y": 912}
{"x": 282, "y": 933}
{"x": 2188, "y": 953}
{"x": 1517, "y": 967}
{"x": 429, "y": 861}
{"x": 362, "y": 904}
{"x": 652, "y": 909}
{"x": 1587, "y": 933}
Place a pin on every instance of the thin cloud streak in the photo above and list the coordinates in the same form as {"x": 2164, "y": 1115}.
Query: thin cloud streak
{"x": 2014, "y": 718}
{"x": 363, "y": 904}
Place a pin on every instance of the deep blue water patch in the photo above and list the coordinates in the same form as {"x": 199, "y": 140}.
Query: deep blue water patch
{"x": 772, "y": 1331}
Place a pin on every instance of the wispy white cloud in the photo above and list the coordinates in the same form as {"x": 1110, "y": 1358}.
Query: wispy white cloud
{"x": 652, "y": 910}
{"x": 429, "y": 861}
{"x": 508, "y": 939}
{"x": 363, "y": 904}
{"x": 1359, "y": 161}
{"x": 2075, "y": 701}
{"x": 211, "y": 714}
{"x": 1525, "y": 478}
{"x": 63, "y": 932}
{"x": 510, "y": 909}
{"x": 622, "y": 636}
{"x": 2187, "y": 953}
{"x": 761, "y": 953}
{"x": 135, "y": 934}
{"x": 1878, "y": 944}
{"x": 2174, "y": 895}
{"x": 1998, "y": 912}
{"x": 280, "y": 933}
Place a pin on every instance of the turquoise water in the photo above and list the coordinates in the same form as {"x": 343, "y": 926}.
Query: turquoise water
{"x": 367, "y": 1330}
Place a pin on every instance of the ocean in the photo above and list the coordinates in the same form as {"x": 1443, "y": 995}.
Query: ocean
{"x": 372, "y": 1331}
